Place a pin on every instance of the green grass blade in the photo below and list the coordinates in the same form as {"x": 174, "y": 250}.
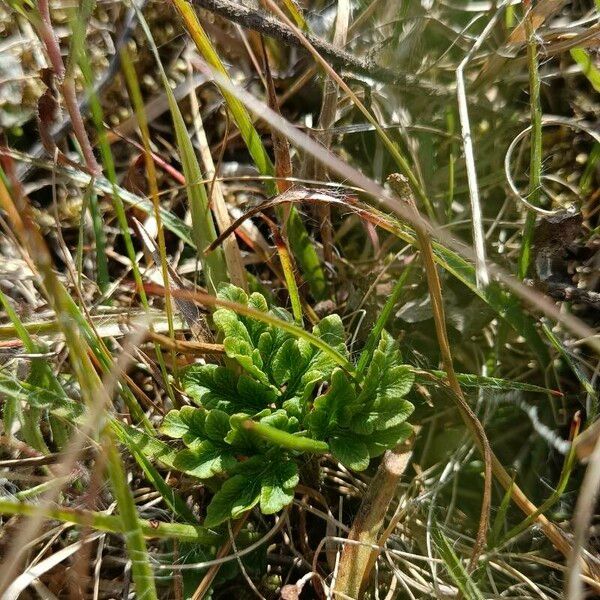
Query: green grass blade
{"x": 143, "y": 576}
{"x": 486, "y": 383}
{"x": 456, "y": 570}
{"x": 203, "y": 227}
{"x": 151, "y": 447}
{"x": 300, "y": 241}
{"x": 102, "y": 275}
{"x": 587, "y": 179}
{"x": 500, "y": 519}
{"x": 583, "y": 379}
{"x": 373, "y": 339}
{"x": 582, "y": 57}
{"x": 238, "y": 111}
{"x": 296, "y": 13}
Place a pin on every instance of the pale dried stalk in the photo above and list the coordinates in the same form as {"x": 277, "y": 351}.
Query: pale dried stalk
{"x": 231, "y": 250}
{"x": 481, "y": 271}
{"x": 326, "y": 121}
{"x": 357, "y": 560}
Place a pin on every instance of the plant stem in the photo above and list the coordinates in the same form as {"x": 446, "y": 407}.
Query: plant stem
{"x": 67, "y": 84}
{"x": 111, "y": 523}
{"x": 469, "y": 417}
{"x": 535, "y": 163}
{"x": 143, "y": 576}
{"x": 357, "y": 560}
{"x": 285, "y": 439}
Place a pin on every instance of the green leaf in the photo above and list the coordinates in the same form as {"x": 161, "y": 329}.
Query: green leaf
{"x": 148, "y": 445}
{"x": 290, "y": 361}
{"x": 237, "y": 495}
{"x": 351, "y": 452}
{"x": 243, "y": 440}
{"x": 381, "y": 404}
{"x": 277, "y": 486}
{"x": 217, "y": 425}
{"x": 248, "y": 357}
{"x": 331, "y": 409}
{"x": 386, "y": 413}
{"x": 218, "y": 387}
{"x": 281, "y": 420}
{"x": 187, "y": 424}
{"x": 268, "y": 481}
{"x": 384, "y": 374}
{"x": 380, "y": 441}
{"x": 204, "y": 460}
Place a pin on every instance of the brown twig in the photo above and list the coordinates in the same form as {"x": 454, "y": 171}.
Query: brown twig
{"x": 184, "y": 346}
{"x": 261, "y": 22}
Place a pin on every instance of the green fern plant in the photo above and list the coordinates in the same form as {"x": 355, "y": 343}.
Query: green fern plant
{"x": 253, "y": 425}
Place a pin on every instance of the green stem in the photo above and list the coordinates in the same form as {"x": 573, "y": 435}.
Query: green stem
{"x": 141, "y": 569}
{"x": 367, "y": 353}
{"x": 535, "y": 166}
{"x": 100, "y": 237}
{"x": 112, "y": 524}
{"x": 285, "y": 439}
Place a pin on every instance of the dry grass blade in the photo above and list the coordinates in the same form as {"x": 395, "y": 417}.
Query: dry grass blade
{"x": 463, "y": 109}
{"x": 327, "y": 120}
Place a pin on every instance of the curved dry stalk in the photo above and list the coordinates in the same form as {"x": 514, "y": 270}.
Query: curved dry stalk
{"x": 399, "y": 185}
